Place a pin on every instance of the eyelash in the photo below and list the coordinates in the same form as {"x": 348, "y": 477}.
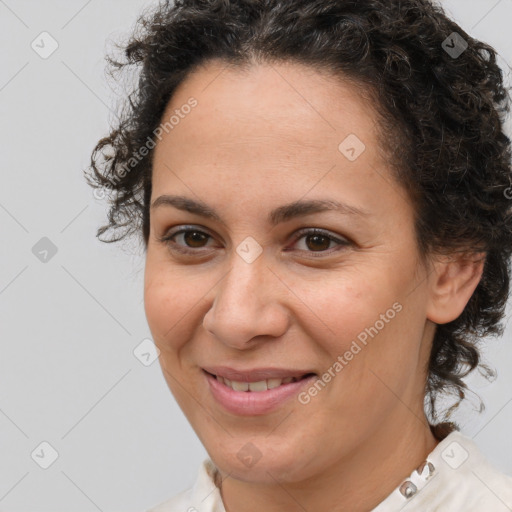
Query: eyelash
{"x": 172, "y": 245}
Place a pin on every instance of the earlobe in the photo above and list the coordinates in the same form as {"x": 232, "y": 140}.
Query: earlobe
{"x": 451, "y": 284}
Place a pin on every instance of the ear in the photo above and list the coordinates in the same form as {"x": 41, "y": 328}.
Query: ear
{"x": 451, "y": 284}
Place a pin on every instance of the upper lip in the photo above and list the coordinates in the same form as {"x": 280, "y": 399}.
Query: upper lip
{"x": 255, "y": 374}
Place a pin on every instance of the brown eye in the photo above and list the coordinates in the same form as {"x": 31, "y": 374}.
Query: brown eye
{"x": 191, "y": 241}
{"x": 186, "y": 240}
{"x": 318, "y": 242}
{"x": 195, "y": 238}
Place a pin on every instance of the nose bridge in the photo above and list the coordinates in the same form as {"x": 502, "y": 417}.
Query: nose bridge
{"x": 246, "y": 304}
{"x": 243, "y": 286}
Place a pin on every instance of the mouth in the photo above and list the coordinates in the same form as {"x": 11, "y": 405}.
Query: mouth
{"x": 258, "y": 385}
{"x": 256, "y": 392}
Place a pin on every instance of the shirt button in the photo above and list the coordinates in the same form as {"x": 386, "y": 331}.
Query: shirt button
{"x": 408, "y": 489}
{"x": 426, "y": 470}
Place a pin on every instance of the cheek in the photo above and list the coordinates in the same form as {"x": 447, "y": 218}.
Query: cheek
{"x": 168, "y": 300}
{"x": 371, "y": 321}
{"x": 363, "y": 380}
{"x": 344, "y": 307}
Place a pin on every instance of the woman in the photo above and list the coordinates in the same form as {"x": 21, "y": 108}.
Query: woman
{"x": 321, "y": 189}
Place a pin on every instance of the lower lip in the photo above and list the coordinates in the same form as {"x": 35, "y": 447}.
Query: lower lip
{"x": 250, "y": 403}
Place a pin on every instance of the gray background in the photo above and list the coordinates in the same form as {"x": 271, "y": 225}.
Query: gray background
{"x": 69, "y": 326}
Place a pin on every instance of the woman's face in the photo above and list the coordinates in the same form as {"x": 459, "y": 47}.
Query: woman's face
{"x": 258, "y": 289}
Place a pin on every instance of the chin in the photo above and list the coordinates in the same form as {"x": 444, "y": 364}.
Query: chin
{"x": 265, "y": 462}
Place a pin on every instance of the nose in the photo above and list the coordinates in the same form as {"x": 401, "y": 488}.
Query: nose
{"x": 248, "y": 302}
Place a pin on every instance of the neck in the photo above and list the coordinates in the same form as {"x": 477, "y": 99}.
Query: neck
{"x": 358, "y": 482}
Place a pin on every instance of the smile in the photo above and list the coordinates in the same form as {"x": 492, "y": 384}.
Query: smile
{"x": 246, "y": 398}
{"x": 261, "y": 385}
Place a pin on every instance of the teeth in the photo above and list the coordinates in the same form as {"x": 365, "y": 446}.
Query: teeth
{"x": 239, "y": 386}
{"x": 258, "y": 386}
{"x": 273, "y": 383}
{"x": 261, "y": 385}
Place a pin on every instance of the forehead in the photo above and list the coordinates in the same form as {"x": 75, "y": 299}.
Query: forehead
{"x": 295, "y": 99}
{"x": 268, "y": 123}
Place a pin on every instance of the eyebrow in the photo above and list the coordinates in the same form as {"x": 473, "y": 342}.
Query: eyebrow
{"x": 281, "y": 214}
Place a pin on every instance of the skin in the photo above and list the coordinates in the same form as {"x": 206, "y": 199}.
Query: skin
{"x": 258, "y": 139}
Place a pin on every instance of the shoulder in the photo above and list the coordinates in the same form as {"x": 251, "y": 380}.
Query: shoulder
{"x": 181, "y": 502}
{"x": 466, "y": 480}
{"x": 203, "y": 496}
{"x": 177, "y": 503}
{"x": 455, "y": 476}
{"x": 486, "y": 485}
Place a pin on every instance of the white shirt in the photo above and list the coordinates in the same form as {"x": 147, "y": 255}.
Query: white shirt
{"x": 458, "y": 478}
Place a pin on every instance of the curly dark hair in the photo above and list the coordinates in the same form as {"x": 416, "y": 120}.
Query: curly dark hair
{"x": 441, "y": 119}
